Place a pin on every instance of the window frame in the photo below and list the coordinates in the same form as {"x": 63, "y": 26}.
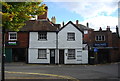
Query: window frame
{"x": 9, "y": 38}
{"x": 42, "y": 36}
{"x": 71, "y": 56}
{"x": 99, "y": 38}
{"x": 40, "y": 57}
{"x": 71, "y": 37}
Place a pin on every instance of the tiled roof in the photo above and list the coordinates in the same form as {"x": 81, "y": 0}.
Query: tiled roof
{"x": 39, "y": 25}
{"x": 72, "y": 24}
{"x": 82, "y": 27}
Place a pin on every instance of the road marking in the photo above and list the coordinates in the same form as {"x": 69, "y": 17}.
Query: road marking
{"x": 30, "y": 78}
{"x": 52, "y": 75}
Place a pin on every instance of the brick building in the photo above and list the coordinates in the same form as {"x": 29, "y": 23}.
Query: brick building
{"x": 16, "y": 46}
{"x": 103, "y": 45}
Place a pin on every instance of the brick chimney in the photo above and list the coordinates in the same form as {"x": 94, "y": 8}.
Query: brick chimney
{"x": 77, "y": 22}
{"x": 100, "y": 29}
{"x": 87, "y": 24}
{"x": 53, "y": 19}
{"x": 117, "y": 31}
{"x": 44, "y": 16}
{"x": 108, "y": 28}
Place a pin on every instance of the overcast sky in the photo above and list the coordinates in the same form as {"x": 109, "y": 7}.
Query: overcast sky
{"x": 98, "y": 13}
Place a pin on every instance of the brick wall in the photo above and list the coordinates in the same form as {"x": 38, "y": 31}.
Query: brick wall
{"x": 22, "y": 39}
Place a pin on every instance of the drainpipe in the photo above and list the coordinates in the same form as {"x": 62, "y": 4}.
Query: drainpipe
{"x": 57, "y": 57}
{"x": 3, "y": 56}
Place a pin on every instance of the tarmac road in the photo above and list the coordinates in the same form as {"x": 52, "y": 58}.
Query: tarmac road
{"x": 35, "y": 72}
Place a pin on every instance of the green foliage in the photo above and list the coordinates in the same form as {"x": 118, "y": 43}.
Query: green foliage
{"x": 14, "y": 14}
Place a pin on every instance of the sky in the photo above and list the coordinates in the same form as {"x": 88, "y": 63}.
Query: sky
{"x": 98, "y": 13}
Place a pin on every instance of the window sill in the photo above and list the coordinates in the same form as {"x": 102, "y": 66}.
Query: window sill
{"x": 70, "y": 40}
{"x": 41, "y": 58}
{"x": 42, "y": 40}
{"x": 12, "y": 40}
{"x": 71, "y": 58}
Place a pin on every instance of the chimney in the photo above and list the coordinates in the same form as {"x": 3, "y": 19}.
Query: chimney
{"x": 44, "y": 16}
{"x": 63, "y": 23}
{"x": 53, "y": 19}
{"x": 117, "y": 32}
{"x": 108, "y": 28}
{"x": 100, "y": 29}
{"x": 77, "y": 22}
{"x": 87, "y": 24}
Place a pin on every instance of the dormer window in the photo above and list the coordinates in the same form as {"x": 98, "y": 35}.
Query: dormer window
{"x": 12, "y": 35}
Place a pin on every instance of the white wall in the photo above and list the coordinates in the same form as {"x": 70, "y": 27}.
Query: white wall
{"x": 49, "y": 43}
{"x": 81, "y": 55}
{"x": 35, "y": 44}
{"x": 33, "y": 56}
{"x": 62, "y": 38}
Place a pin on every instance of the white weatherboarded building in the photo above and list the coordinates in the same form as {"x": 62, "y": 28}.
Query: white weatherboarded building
{"x": 47, "y": 45}
{"x": 70, "y": 45}
{"x": 42, "y": 42}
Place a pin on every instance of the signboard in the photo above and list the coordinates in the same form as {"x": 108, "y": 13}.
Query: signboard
{"x": 100, "y": 44}
{"x": 12, "y": 43}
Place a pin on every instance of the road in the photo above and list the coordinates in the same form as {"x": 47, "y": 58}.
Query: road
{"x": 74, "y": 72}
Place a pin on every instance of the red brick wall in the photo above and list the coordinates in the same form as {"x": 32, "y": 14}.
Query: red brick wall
{"x": 111, "y": 39}
{"x": 22, "y": 39}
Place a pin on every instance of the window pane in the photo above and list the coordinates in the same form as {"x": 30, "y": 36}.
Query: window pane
{"x": 71, "y": 36}
{"x": 42, "y": 36}
{"x": 71, "y": 53}
{"x": 97, "y": 38}
{"x": 100, "y": 38}
{"x": 103, "y": 38}
{"x": 12, "y": 36}
{"x": 42, "y": 53}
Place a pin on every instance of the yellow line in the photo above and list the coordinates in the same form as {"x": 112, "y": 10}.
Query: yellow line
{"x": 30, "y": 78}
{"x": 52, "y": 75}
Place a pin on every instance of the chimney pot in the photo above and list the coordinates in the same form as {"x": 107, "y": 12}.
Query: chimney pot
{"x": 63, "y": 23}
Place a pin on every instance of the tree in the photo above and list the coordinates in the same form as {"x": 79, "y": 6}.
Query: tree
{"x": 14, "y": 14}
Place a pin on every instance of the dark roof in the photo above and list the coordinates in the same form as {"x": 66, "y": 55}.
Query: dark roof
{"x": 73, "y": 25}
{"x": 82, "y": 27}
{"x": 42, "y": 25}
